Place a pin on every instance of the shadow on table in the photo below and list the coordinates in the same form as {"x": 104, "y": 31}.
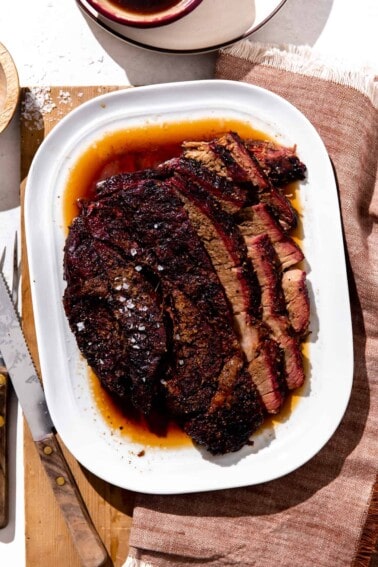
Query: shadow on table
{"x": 143, "y": 66}
{"x": 298, "y": 22}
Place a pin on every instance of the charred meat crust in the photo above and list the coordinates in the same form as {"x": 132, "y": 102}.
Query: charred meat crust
{"x": 231, "y": 196}
{"x": 280, "y": 163}
{"x": 116, "y": 316}
{"x": 230, "y": 418}
{"x": 231, "y": 158}
{"x": 245, "y": 167}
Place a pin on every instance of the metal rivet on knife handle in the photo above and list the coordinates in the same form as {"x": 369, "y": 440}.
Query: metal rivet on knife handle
{"x": 88, "y": 543}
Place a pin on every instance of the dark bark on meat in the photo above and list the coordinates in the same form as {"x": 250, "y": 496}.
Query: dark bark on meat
{"x": 243, "y": 167}
{"x": 113, "y": 184}
{"x": 231, "y": 196}
{"x": 231, "y": 417}
{"x": 280, "y": 164}
{"x": 116, "y": 316}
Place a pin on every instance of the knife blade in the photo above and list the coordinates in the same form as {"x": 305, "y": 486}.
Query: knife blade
{"x": 32, "y": 399}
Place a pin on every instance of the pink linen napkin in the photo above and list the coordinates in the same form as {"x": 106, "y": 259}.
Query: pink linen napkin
{"x": 325, "y": 513}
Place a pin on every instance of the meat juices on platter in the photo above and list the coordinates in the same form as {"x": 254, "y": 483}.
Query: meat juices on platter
{"x": 184, "y": 291}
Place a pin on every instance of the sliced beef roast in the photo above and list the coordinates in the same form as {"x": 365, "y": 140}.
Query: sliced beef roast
{"x": 147, "y": 225}
{"x": 184, "y": 290}
{"x": 256, "y": 220}
{"x": 275, "y": 316}
{"x": 242, "y": 167}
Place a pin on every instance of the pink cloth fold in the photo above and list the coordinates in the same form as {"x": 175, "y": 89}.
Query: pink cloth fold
{"x": 324, "y": 513}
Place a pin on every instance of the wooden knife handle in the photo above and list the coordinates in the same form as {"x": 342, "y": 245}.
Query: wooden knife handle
{"x": 86, "y": 539}
{"x": 4, "y": 381}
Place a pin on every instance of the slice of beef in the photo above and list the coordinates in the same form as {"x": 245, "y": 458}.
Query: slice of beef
{"x": 224, "y": 244}
{"x": 297, "y": 300}
{"x": 116, "y": 317}
{"x": 275, "y": 316}
{"x": 231, "y": 196}
{"x": 256, "y": 220}
{"x": 267, "y": 369}
{"x": 228, "y": 253}
{"x": 229, "y": 157}
{"x": 265, "y": 363}
{"x": 234, "y": 413}
{"x": 280, "y": 163}
{"x": 243, "y": 167}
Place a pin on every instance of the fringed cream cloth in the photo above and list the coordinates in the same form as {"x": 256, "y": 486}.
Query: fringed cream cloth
{"x": 324, "y": 514}
{"x": 305, "y": 61}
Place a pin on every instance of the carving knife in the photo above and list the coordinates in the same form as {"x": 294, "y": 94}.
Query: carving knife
{"x": 31, "y": 396}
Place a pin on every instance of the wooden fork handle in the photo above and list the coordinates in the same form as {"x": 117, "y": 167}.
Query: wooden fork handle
{"x": 86, "y": 539}
{"x": 4, "y": 381}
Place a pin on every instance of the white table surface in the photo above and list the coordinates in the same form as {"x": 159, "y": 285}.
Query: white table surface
{"x": 52, "y": 43}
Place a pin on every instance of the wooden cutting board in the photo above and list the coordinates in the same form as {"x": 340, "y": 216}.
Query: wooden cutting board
{"x": 47, "y": 539}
